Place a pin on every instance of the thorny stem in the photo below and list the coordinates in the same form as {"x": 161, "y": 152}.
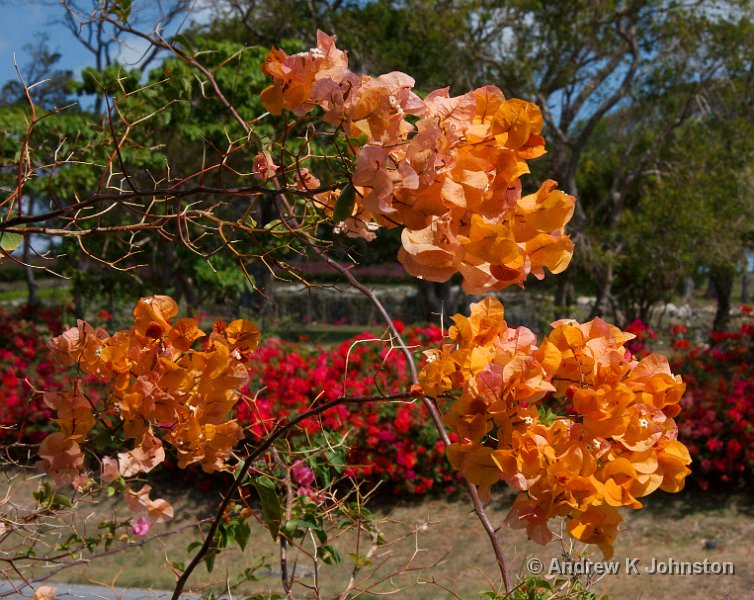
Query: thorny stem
{"x": 429, "y": 403}
{"x": 283, "y": 541}
{"x": 278, "y": 432}
{"x": 84, "y": 561}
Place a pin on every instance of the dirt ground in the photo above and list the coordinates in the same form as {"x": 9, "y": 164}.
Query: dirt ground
{"x": 433, "y": 549}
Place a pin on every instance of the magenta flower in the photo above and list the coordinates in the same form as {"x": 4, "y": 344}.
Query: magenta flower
{"x": 302, "y": 474}
{"x": 140, "y": 526}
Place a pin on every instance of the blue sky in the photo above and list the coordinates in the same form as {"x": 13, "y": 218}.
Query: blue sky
{"x": 22, "y": 21}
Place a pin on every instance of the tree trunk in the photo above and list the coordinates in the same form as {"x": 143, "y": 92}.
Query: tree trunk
{"x": 603, "y": 292}
{"x": 32, "y": 298}
{"x": 722, "y": 283}
{"x": 689, "y": 289}
{"x": 259, "y": 300}
{"x": 745, "y": 283}
{"x": 563, "y": 295}
{"x": 433, "y": 300}
{"x": 79, "y": 301}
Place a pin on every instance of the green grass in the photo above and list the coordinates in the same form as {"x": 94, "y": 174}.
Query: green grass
{"x": 55, "y": 295}
{"x": 321, "y": 334}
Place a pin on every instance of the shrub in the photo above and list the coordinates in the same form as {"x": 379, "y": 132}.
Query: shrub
{"x": 717, "y": 422}
{"x": 391, "y": 442}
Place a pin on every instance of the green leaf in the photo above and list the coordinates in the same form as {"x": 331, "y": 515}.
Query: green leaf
{"x": 321, "y": 534}
{"x": 272, "y": 512}
{"x": 227, "y": 533}
{"x": 243, "y": 533}
{"x": 209, "y": 560}
{"x": 336, "y": 459}
{"x": 328, "y": 555}
{"x": 345, "y": 203}
{"x": 289, "y": 529}
{"x": 56, "y": 501}
{"x": 9, "y": 241}
{"x": 359, "y": 560}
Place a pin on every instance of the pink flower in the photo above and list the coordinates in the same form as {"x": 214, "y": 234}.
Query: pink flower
{"x": 110, "y": 470}
{"x": 140, "y": 526}
{"x": 263, "y": 167}
{"x": 302, "y": 474}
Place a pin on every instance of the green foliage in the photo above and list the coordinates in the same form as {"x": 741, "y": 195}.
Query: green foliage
{"x": 49, "y": 499}
{"x": 538, "y": 588}
{"x": 9, "y": 242}
{"x": 272, "y": 511}
{"x": 345, "y": 203}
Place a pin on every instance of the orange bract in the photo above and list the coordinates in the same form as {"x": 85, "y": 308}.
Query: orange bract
{"x": 161, "y": 388}
{"x": 615, "y": 443}
{"x": 450, "y": 178}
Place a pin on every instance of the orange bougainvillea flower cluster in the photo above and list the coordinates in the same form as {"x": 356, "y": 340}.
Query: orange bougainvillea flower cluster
{"x": 615, "y": 442}
{"x": 450, "y": 176}
{"x": 160, "y": 388}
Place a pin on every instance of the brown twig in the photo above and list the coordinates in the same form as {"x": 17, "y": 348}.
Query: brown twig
{"x": 429, "y": 403}
{"x": 276, "y": 434}
{"x": 86, "y": 561}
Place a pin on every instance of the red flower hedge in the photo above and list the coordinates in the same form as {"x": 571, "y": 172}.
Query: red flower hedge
{"x": 717, "y": 421}
{"x": 24, "y": 362}
{"x": 396, "y": 442}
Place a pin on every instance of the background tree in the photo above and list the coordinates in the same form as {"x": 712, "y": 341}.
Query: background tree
{"x": 617, "y": 80}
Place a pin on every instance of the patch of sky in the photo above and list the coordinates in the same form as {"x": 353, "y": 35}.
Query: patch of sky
{"x": 25, "y": 22}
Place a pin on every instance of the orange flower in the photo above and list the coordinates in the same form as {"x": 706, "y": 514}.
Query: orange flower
{"x": 617, "y": 445}
{"x": 158, "y": 381}
{"x": 242, "y": 335}
{"x": 62, "y": 458}
{"x": 184, "y": 333}
{"x": 673, "y": 459}
{"x": 158, "y": 510}
{"x": 475, "y": 462}
{"x": 294, "y": 76}
{"x": 597, "y": 525}
{"x": 44, "y": 592}
{"x": 618, "y": 477}
{"x": 145, "y": 456}
{"x": 152, "y": 315}
{"x": 532, "y": 515}
{"x": 74, "y": 413}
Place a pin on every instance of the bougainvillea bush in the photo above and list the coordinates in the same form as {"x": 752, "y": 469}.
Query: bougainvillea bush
{"x": 717, "y": 421}
{"x": 573, "y": 422}
{"x": 390, "y": 442}
{"x": 718, "y": 408}
{"x": 25, "y": 366}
